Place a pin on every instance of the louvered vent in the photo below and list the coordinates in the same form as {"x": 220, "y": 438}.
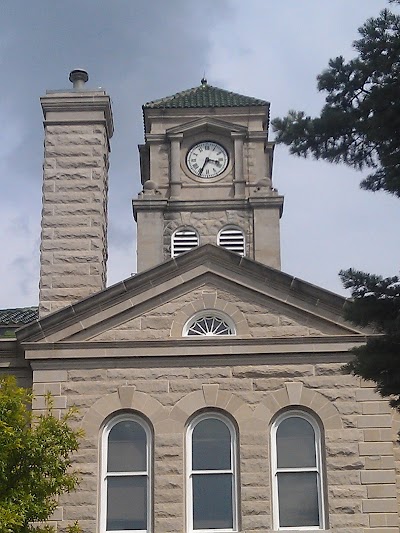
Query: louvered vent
{"x": 209, "y": 325}
{"x": 232, "y": 239}
{"x": 183, "y": 241}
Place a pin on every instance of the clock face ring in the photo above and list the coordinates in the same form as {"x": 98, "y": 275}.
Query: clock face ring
{"x": 207, "y": 159}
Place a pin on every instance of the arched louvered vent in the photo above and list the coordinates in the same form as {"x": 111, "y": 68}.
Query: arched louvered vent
{"x": 183, "y": 240}
{"x": 209, "y": 324}
{"x": 232, "y": 238}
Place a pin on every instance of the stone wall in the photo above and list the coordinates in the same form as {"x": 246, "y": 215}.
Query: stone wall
{"x": 207, "y": 224}
{"x": 357, "y": 425}
{"x": 73, "y": 251}
{"x": 12, "y": 362}
{"x": 168, "y": 319}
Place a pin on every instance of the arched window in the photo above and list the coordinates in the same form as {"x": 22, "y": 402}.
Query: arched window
{"x": 211, "y": 474}
{"x": 183, "y": 240}
{"x": 232, "y": 238}
{"x": 125, "y": 470}
{"x": 209, "y": 324}
{"x": 297, "y": 472}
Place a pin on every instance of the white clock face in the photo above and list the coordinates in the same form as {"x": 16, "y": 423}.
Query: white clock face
{"x": 207, "y": 159}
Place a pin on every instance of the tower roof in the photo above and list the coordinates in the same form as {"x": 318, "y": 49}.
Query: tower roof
{"x": 204, "y": 96}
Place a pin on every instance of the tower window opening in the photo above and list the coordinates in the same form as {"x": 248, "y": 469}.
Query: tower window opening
{"x": 232, "y": 238}
{"x": 184, "y": 240}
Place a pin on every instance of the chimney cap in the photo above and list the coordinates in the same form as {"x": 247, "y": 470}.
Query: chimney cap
{"x": 78, "y": 77}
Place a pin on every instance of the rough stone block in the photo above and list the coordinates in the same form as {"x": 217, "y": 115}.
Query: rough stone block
{"x": 268, "y": 371}
{"x": 210, "y": 372}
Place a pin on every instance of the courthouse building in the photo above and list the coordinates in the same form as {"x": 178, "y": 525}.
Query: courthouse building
{"x": 209, "y": 384}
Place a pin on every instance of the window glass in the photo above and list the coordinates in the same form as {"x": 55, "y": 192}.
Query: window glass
{"x": 298, "y": 499}
{"x": 125, "y": 490}
{"x": 212, "y": 501}
{"x": 212, "y": 498}
{"x": 297, "y": 472}
{"x": 127, "y": 503}
{"x": 211, "y": 449}
{"x": 127, "y": 447}
{"x": 295, "y": 443}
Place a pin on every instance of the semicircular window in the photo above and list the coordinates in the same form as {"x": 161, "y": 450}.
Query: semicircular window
{"x": 209, "y": 324}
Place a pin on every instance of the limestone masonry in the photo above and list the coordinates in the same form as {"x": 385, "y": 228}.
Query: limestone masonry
{"x": 209, "y": 385}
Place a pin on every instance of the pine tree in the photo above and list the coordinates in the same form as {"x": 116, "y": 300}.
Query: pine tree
{"x": 376, "y": 303}
{"x": 359, "y": 126}
{"x": 360, "y": 122}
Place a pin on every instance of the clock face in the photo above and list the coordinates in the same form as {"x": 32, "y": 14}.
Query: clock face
{"x": 207, "y": 159}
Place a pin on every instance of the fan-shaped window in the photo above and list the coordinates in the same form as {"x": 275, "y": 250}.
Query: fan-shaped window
{"x": 126, "y": 494}
{"x": 297, "y": 472}
{"x": 209, "y": 324}
{"x": 211, "y": 474}
{"x": 183, "y": 240}
{"x": 232, "y": 238}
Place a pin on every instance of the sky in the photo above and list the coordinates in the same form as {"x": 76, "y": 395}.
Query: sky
{"x": 141, "y": 50}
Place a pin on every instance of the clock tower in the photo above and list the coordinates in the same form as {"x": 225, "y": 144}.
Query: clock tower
{"x": 206, "y": 171}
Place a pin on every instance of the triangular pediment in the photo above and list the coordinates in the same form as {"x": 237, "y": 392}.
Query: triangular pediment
{"x": 206, "y": 124}
{"x": 268, "y": 304}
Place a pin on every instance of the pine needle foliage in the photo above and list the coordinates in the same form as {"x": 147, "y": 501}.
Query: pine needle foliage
{"x": 359, "y": 124}
{"x": 376, "y": 303}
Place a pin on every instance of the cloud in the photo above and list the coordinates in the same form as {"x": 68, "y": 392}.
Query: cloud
{"x": 147, "y": 49}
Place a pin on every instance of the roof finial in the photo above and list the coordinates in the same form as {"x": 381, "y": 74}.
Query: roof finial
{"x": 203, "y": 79}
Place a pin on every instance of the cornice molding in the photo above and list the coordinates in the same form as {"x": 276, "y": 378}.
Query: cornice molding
{"x": 66, "y": 103}
{"x": 332, "y": 347}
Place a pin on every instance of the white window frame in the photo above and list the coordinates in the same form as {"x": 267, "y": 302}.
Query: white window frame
{"x": 104, "y": 473}
{"x": 238, "y": 230}
{"x": 209, "y": 312}
{"x": 174, "y": 252}
{"x": 233, "y": 471}
{"x": 318, "y": 469}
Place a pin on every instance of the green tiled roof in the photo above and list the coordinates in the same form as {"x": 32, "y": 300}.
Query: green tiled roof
{"x": 19, "y": 316}
{"x": 204, "y": 96}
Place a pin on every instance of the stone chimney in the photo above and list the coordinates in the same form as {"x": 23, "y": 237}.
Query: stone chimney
{"x": 78, "y": 126}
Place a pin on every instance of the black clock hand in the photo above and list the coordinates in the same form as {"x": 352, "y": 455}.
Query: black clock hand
{"x": 204, "y": 164}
